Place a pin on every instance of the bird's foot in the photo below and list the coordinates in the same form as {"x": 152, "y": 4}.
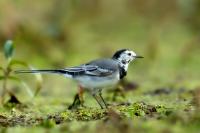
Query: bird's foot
{"x": 77, "y": 103}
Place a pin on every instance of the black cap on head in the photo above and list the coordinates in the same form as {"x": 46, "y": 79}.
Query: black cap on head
{"x": 118, "y": 53}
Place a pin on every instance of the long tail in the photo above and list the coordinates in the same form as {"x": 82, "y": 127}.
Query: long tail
{"x": 56, "y": 71}
{"x": 41, "y": 71}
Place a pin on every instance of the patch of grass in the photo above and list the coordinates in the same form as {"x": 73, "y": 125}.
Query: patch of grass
{"x": 17, "y": 117}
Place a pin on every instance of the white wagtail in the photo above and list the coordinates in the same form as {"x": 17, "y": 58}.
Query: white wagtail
{"x": 97, "y": 74}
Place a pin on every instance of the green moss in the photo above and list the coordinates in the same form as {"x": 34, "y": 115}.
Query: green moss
{"x": 66, "y": 115}
{"x": 89, "y": 114}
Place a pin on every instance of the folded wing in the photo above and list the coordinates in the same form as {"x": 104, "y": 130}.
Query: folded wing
{"x": 90, "y": 70}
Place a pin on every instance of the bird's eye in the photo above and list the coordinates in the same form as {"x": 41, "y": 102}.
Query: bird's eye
{"x": 129, "y": 54}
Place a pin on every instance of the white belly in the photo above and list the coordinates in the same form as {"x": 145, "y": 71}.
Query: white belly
{"x": 92, "y": 82}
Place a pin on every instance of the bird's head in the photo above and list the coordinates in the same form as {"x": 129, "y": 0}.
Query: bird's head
{"x": 124, "y": 57}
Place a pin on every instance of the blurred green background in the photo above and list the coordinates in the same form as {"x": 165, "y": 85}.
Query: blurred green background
{"x": 61, "y": 33}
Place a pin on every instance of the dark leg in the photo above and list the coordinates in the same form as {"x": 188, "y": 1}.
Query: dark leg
{"x": 98, "y": 99}
{"x": 76, "y": 102}
{"x": 103, "y": 100}
{"x": 78, "y": 99}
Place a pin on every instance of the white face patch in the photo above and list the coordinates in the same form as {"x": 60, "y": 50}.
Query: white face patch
{"x": 125, "y": 58}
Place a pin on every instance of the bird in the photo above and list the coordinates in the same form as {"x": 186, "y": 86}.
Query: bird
{"x": 97, "y": 74}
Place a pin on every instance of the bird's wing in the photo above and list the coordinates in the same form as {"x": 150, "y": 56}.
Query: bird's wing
{"x": 99, "y": 72}
{"x": 91, "y": 70}
{"x": 99, "y": 68}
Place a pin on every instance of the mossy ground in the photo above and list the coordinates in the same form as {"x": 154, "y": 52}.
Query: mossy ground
{"x": 173, "y": 111}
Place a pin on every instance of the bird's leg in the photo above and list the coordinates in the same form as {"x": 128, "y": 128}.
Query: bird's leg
{"x": 80, "y": 94}
{"x": 98, "y": 99}
{"x": 100, "y": 94}
{"x": 78, "y": 99}
{"x": 75, "y": 103}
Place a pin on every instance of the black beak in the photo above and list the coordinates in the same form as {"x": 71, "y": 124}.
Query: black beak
{"x": 138, "y": 56}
